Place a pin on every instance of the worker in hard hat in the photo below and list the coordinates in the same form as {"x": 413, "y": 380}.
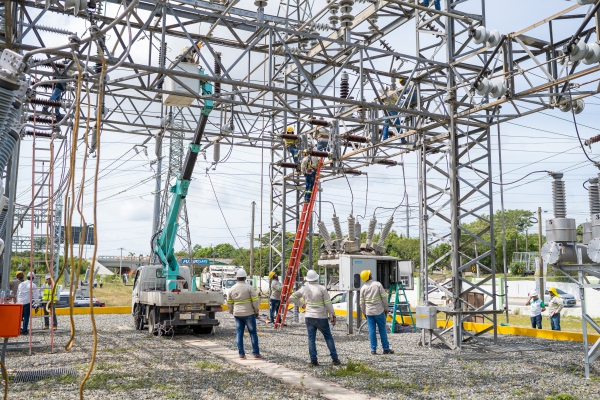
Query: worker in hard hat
{"x": 322, "y": 138}
{"x": 555, "y": 306}
{"x": 309, "y": 169}
{"x": 537, "y": 307}
{"x": 291, "y": 144}
{"x": 374, "y": 305}
{"x": 319, "y": 311}
{"x": 48, "y": 302}
{"x": 57, "y": 93}
{"x": 27, "y": 294}
{"x": 436, "y": 4}
{"x": 243, "y": 304}
{"x": 13, "y": 285}
{"x": 275, "y": 298}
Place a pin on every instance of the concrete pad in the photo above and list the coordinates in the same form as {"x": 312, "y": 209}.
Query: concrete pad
{"x": 329, "y": 390}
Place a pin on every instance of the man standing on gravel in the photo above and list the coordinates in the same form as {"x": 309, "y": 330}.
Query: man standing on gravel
{"x": 555, "y": 306}
{"x": 537, "y": 307}
{"x": 275, "y": 298}
{"x": 13, "y": 285}
{"x": 374, "y": 305}
{"x": 243, "y": 303}
{"x": 318, "y": 310}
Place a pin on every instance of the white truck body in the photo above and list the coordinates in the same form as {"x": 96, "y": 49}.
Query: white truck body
{"x": 152, "y": 305}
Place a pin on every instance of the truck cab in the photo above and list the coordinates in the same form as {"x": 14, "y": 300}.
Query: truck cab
{"x": 161, "y": 310}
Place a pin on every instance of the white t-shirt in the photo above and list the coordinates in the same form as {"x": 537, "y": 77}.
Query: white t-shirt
{"x": 536, "y": 307}
{"x": 23, "y": 292}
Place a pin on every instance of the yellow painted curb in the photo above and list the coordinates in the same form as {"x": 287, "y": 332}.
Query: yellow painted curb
{"x": 407, "y": 319}
{"x": 530, "y": 332}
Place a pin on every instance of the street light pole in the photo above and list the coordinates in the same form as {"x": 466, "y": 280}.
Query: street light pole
{"x": 542, "y": 286}
{"x": 252, "y": 242}
{"x": 121, "y": 263}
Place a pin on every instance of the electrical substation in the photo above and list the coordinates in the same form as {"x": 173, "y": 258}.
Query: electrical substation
{"x": 307, "y": 98}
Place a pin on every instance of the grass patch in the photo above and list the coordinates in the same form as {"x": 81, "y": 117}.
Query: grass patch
{"x": 208, "y": 365}
{"x": 395, "y": 384}
{"x": 114, "y": 294}
{"x": 561, "y": 396}
{"x": 355, "y": 368}
{"x": 66, "y": 378}
{"x": 117, "y": 381}
{"x": 104, "y": 367}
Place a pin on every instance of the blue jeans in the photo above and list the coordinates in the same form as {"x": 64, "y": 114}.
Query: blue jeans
{"x": 536, "y": 322}
{"x": 323, "y": 145}
{"x": 248, "y": 321}
{"x": 273, "y": 308}
{"x": 294, "y": 152}
{"x": 377, "y": 321}
{"x": 26, "y": 314}
{"x": 436, "y": 4}
{"x": 386, "y": 129}
{"x": 47, "y": 319}
{"x": 321, "y": 324}
{"x": 555, "y": 322}
{"x": 310, "y": 182}
{"x": 57, "y": 95}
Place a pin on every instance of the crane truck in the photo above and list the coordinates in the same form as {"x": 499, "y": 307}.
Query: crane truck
{"x": 164, "y": 295}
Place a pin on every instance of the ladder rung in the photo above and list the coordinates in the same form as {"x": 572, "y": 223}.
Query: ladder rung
{"x": 41, "y": 172}
{"x": 41, "y": 148}
{"x": 36, "y": 160}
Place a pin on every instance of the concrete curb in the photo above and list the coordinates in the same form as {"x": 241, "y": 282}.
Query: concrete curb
{"x": 291, "y": 377}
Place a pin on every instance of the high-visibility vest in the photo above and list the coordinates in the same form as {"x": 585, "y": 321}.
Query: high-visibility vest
{"x": 47, "y": 294}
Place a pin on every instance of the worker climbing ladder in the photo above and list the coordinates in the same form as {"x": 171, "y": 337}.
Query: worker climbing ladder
{"x": 296, "y": 255}
{"x": 396, "y": 287}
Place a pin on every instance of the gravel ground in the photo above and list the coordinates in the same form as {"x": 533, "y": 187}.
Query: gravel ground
{"x": 135, "y": 365}
{"x": 420, "y": 373}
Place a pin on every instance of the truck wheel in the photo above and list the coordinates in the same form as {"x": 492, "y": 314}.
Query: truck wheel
{"x": 138, "y": 319}
{"x": 152, "y": 322}
{"x": 202, "y": 330}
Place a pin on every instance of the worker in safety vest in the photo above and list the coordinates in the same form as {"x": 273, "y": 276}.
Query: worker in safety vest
{"x": 48, "y": 303}
{"x": 374, "y": 305}
{"x": 318, "y": 311}
{"x": 309, "y": 169}
{"x": 292, "y": 144}
{"x": 390, "y": 98}
{"x": 555, "y": 306}
{"x": 322, "y": 137}
{"x": 243, "y": 303}
{"x": 275, "y": 298}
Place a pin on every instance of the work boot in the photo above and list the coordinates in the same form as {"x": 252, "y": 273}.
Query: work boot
{"x": 257, "y": 356}
{"x": 45, "y": 111}
{"x": 314, "y": 363}
{"x": 243, "y": 357}
{"x": 388, "y": 351}
{"x": 336, "y": 361}
{"x": 46, "y": 328}
{"x": 58, "y": 117}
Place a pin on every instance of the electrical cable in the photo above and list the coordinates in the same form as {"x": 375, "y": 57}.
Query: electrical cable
{"x": 577, "y": 131}
{"x": 225, "y": 219}
{"x": 584, "y": 182}
{"x": 351, "y": 193}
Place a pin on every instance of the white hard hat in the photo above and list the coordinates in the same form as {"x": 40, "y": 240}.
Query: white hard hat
{"x": 241, "y": 273}
{"x": 312, "y": 275}
{"x": 533, "y": 293}
{"x": 48, "y": 276}
{"x": 31, "y": 275}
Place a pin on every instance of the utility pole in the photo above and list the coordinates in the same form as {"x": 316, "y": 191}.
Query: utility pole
{"x": 252, "y": 241}
{"x": 541, "y": 262}
{"x": 407, "y": 222}
{"x": 121, "y": 264}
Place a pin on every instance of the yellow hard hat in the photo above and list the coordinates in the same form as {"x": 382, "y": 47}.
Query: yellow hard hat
{"x": 553, "y": 290}
{"x": 365, "y": 274}
{"x": 19, "y": 273}
{"x": 271, "y": 274}
{"x": 290, "y": 129}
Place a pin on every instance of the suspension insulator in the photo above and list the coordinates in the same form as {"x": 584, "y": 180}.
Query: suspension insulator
{"x": 318, "y": 122}
{"x": 38, "y": 134}
{"x": 337, "y": 227}
{"x": 56, "y": 64}
{"x": 218, "y": 72}
{"x": 217, "y": 152}
{"x": 386, "y": 230}
{"x": 371, "y": 231}
{"x": 45, "y": 102}
{"x": 325, "y": 234}
{"x": 317, "y": 153}
{"x": 352, "y": 172}
{"x": 344, "y": 86}
{"x": 289, "y": 136}
{"x": 357, "y": 231}
{"x": 388, "y": 162}
{"x": 559, "y": 198}
{"x": 162, "y": 59}
{"x": 356, "y": 138}
{"x": 287, "y": 164}
{"x": 40, "y": 120}
{"x": 594, "y": 196}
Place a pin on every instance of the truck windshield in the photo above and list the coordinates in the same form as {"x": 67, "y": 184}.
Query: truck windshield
{"x": 229, "y": 283}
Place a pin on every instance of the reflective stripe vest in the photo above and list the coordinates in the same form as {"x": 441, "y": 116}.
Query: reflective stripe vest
{"x": 373, "y": 298}
{"x": 47, "y": 293}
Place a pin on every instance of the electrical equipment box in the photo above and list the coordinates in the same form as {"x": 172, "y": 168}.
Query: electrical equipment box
{"x": 350, "y": 268}
{"x": 385, "y": 269}
{"x": 426, "y": 317}
{"x": 186, "y": 98}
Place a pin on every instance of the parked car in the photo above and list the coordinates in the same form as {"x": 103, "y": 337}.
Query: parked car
{"x": 79, "y": 301}
{"x": 436, "y": 296}
{"x": 568, "y": 299}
